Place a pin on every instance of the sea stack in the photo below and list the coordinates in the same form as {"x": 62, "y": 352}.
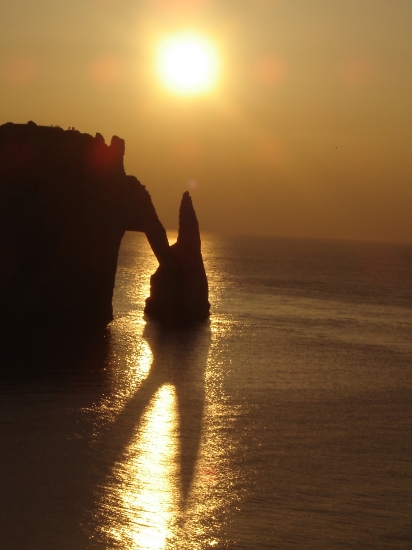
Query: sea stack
{"x": 179, "y": 290}
{"x": 65, "y": 203}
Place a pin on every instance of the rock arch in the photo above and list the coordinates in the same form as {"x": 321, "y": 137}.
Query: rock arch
{"x": 65, "y": 203}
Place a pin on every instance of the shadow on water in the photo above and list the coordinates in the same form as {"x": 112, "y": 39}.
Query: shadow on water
{"x": 59, "y": 451}
{"x": 179, "y": 359}
{"x": 39, "y": 353}
{"x": 49, "y": 375}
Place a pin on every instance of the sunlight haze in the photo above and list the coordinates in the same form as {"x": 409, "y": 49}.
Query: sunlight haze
{"x": 187, "y": 63}
{"x": 299, "y": 123}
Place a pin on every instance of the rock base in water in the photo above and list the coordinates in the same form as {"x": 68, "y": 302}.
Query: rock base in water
{"x": 179, "y": 289}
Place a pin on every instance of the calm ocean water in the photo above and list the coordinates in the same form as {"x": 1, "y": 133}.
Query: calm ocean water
{"x": 284, "y": 423}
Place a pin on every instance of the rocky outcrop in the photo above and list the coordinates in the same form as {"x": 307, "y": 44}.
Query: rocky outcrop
{"x": 65, "y": 203}
{"x": 179, "y": 289}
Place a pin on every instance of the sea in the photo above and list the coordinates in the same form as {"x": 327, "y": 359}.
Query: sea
{"x": 283, "y": 422}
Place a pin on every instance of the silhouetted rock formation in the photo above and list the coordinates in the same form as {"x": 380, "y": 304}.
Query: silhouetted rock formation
{"x": 179, "y": 291}
{"x": 65, "y": 203}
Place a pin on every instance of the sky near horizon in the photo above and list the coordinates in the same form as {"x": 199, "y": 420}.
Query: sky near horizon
{"x": 306, "y": 133}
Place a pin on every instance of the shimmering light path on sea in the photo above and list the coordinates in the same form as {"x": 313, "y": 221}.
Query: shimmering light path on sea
{"x": 285, "y": 422}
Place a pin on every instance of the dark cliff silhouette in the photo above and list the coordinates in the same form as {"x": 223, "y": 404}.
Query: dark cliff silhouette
{"x": 65, "y": 203}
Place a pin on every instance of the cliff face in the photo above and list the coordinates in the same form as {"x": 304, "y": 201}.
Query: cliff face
{"x": 65, "y": 203}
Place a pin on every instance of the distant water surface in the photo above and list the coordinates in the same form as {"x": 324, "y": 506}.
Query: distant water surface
{"x": 285, "y": 422}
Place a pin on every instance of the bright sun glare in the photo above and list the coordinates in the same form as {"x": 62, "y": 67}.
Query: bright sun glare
{"x": 187, "y": 64}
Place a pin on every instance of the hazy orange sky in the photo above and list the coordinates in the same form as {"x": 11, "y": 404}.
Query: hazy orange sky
{"x": 307, "y": 133}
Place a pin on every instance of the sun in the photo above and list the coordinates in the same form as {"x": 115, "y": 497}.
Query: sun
{"x": 187, "y": 64}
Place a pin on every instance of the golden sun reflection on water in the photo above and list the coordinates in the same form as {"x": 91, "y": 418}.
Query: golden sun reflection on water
{"x": 141, "y": 361}
{"x": 168, "y": 473}
{"x": 147, "y": 484}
